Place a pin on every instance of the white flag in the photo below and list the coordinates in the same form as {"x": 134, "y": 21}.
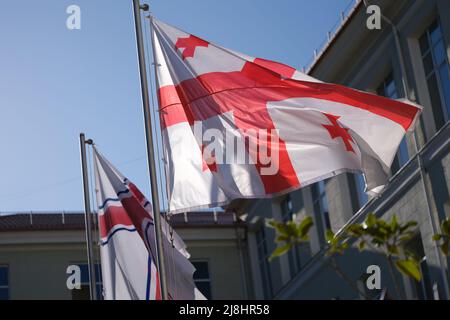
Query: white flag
{"x": 128, "y": 247}
{"x": 311, "y": 130}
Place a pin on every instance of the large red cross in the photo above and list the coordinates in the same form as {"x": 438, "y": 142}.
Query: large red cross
{"x": 213, "y": 94}
{"x": 336, "y": 131}
{"x": 189, "y": 45}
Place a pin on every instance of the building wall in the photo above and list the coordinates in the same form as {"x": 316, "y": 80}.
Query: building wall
{"x": 38, "y": 261}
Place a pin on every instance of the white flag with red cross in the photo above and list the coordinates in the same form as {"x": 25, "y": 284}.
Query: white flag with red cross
{"x": 235, "y": 126}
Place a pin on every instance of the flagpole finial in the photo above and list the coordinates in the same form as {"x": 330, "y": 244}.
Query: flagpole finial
{"x": 144, "y": 7}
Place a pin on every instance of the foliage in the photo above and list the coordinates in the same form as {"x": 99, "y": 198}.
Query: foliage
{"x": 443, "y": 239}
{"x": 382, "y": 236}
{"x": 385, "y": 237}
{"x": 289, "y": 234}
{"x": 336, "y": 243}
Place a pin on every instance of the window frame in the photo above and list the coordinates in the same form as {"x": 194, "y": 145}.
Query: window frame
{"x": 445, "y": 109}
{"x": 208, "y": 280}
{"x": 263, "y": 262}
{"x": 319, "y": 197}
{"x": 422, "y": 289}
{"x": 361, "y": 195}
{"x": 287, "y": 214}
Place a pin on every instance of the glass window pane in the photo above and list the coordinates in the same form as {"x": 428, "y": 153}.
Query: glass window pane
{"x": 205, "y": 288}
{"x": 428, "y": 64}
{"x": 201, "y": 271}
{"x": 99, "y": 292}
{"x": 439, "y": 53}
{"x": 324, "y": 203}
{"x": 380, "y": 90}
{"x": 321, "y": 185}
{"x": 4, "y": 294}
{"x": 395, "y": 165}
{"x": 435, "y": 32}
{"x": 3, "y": 276}
{"x": 84, "y": 273}
{"x": 361, "y": 186}
{"x": 98, "y": 273}
{"x": 315, "y": 192}
{"x": 403, "y": 154}
{"x": 424, "y": 43}
{"x": 326, "y": 220}
{"x": 444, "y": 74}
{"x": 436, "y": 101}
{"x": 391, "y": 90}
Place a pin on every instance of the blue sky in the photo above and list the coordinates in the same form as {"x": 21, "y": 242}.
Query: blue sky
{"x": 56, "y": 83}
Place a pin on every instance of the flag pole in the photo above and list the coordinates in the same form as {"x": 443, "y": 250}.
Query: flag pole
{"x": 150, "y": 148}
{"x": 88, "y": 217}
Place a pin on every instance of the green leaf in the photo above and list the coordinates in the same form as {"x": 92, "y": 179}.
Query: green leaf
{"x": 280, "y": 227}
{"x": 271, "y": 223}
{"x": 280, "y": 251}
{"x": 406, "y": 236}
{"x": 437, "y": 237}
{"x": 361, "y": 245}
{"x": 281, "y": 238}
{"x": 355, "y": 230}
{"x": 445, "y": 226}
{"x": 329, "y": 236}
{"x": 371, "y": 220}
{"x": 409, "y": 268}
{"x": 409, "y": 224}
{"x": 394, "y": 224}
{"x": 392, "y": 249}
{"x": 304, "y": 227}
{"x": 444, "y": 248}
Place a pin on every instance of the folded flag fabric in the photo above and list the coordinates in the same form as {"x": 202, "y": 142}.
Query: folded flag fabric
{"x": 128, "y": 247}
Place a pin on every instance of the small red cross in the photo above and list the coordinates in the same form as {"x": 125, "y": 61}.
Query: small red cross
{"x": 209, "y": 163}
{"x": 189, "y": 44}
{"x": 336, "y": 131}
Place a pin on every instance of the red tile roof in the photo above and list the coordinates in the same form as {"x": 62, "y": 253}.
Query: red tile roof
{"x": 75, "y": 221}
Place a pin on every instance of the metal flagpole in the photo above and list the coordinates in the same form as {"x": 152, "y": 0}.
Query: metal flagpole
{"x": 88, "y": 217}
{"x": 150, "y": 148}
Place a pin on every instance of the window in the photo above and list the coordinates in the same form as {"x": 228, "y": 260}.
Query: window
{"x": 202, "y": 279}
{"x": 4, "y": 283}
{"x": 389, "y": 90}
{"x": 437, "y": 71}
{"x": 83, "y": 293}
{"x": 263, "y": 263}
{"x": 294, "y": 254}
{"x": 320, "y": 203}
{"x": 423, "y": 288}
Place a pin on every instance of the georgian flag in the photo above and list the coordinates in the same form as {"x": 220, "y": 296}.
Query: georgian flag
{"x": 127, "y": 243}
{"x": 318, "y": 130}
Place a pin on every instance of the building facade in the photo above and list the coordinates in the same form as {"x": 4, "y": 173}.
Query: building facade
{"x": 36, "y": 250}
{"x": 370, "y": 60}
